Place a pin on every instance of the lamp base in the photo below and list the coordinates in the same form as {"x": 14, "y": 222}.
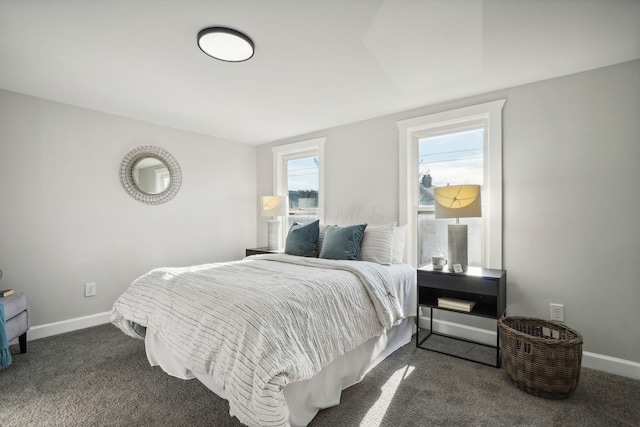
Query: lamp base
{"x": 457, "y": 240}
{"x": 273, "y": 234}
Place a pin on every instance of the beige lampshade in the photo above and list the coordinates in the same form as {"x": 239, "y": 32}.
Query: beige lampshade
{"x": 458, "y": 201}
{"x": 273, "y": 206}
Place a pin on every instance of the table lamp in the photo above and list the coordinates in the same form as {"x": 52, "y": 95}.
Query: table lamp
{"x": 457, "y": 201}
{"x": 275, "y": 207}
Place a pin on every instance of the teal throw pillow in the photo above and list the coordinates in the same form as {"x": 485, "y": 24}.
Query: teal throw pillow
{"x": 342, "y": 242}
{"x": 302, "y": 240}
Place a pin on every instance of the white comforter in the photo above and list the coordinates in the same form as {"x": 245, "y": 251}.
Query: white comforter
{"x": 256, "y": 325}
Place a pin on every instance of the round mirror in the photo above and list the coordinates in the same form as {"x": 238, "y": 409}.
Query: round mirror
{"x": 150, "y": 175}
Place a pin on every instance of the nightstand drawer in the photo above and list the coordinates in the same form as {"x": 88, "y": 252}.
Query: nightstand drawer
{"x": 259, "y": 251}
{"x": 455, "y": 283}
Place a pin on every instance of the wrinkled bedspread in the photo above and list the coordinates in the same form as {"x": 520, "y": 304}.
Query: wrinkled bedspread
{"x": 257, "y": 324}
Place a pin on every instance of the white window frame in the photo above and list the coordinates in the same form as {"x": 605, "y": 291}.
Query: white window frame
{"x": 284, "y": 153}
{"x": 490, "y": 115}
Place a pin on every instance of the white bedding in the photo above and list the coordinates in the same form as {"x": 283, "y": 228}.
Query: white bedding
{"x": 256, "y": 325}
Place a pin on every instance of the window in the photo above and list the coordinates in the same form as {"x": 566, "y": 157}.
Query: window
{"x": 303, "y": 176}
{"x": 298, "y": 174}
{"x": 461, "y": 146}
{"x": 163, "y": 178}
{"x": 454, "y": 156}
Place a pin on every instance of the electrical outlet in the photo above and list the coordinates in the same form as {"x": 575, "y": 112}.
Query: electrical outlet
{"x": 556, "y": 312}
{"x": 89, "y": 289}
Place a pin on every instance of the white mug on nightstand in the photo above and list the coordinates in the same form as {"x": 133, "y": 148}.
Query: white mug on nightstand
{"x": 438, "y": 262}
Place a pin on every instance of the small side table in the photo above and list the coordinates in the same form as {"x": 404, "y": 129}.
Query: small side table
{"x": 18, "y": 318}
{"x": 264, "y": 250}
{"x": 487, "y": 288}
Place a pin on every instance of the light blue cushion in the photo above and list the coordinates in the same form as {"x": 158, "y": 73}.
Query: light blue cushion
{"x": 342, "y": 242}
{"x": 302, "y": 240}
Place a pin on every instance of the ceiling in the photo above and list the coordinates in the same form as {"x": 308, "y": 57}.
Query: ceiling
{"x": 318, "y": 63}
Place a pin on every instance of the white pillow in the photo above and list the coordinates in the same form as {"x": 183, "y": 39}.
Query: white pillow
{"x": 377, "y": 244}
{"x": 399, "y": 243}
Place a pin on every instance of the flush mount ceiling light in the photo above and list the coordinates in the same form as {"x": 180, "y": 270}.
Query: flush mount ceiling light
{"x": 225, "y": 44}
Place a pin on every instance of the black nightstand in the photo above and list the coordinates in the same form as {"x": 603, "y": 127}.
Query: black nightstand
{"x": 265, "y": 250}
{"x": 487, "y": 288}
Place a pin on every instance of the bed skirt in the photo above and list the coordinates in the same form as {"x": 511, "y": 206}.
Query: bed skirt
{"x": 304, "y": 398}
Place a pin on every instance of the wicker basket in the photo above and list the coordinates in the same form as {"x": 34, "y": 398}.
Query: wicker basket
{"x": 541, "y": 357}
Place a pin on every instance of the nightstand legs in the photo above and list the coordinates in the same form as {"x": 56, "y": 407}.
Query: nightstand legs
{"x": 420, "y": 342}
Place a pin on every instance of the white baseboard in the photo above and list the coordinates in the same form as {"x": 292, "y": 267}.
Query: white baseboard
{"x": 612, "y": 365}
{"x": 50, "y": 329}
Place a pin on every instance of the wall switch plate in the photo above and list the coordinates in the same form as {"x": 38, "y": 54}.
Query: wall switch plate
{"x": 556, "y": 312}
{"x": 89, "y": 289}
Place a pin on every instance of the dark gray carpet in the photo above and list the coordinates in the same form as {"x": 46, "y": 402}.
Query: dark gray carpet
{"x": 100, "y": 377}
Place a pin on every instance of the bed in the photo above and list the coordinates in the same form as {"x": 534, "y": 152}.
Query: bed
{"x": 278, "y": 336}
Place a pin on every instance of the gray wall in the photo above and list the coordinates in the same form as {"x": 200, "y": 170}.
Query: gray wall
{"x": 65, "y": 218}
{"x": 571, "y": 154}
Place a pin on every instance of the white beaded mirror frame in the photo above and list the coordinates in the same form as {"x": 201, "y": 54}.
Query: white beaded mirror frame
{"x": 128, "y": 181}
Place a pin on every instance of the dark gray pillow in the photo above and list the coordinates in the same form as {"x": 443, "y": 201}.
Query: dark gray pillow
{"x": 342, "y": 242}
{"x": 302, "y": 240}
